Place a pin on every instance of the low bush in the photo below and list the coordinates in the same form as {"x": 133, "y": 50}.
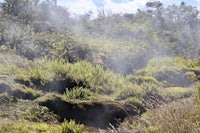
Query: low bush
{"x": 160, "y": 64}
{"x": 171, "y": 71}
{"x": 71, "y": 127}
{"x": 79, "y": 93}
{"x": 27, "y": 127}
{"x": 94, "y": 77}
{"x": 142, "y": 79}
{"x": 25, "y": 110}
{"x": 175, "y": 92}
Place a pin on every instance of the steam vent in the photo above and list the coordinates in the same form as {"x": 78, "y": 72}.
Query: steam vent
{"x": 110, "y": 66}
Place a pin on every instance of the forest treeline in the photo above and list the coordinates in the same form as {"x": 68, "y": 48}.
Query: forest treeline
{"x": 35, "y": 29}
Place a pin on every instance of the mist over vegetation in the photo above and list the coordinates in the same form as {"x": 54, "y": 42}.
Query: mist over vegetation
{"x": 98, "y": 72}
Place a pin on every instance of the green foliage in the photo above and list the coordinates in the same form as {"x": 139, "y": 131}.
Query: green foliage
{"x": 40, "y": 44}
{"x": 29, "y": 91}
{"x": 92, "y": 76}
{"x": 197, "y": 94}
{"x": 100, "y": 80}
{"x": 133, "y": 100}
{"x": 176, "y": 92}
{"x": 142, "y": 79}
{"x": 71, "y": 127}
{"x": 27, "y": 127}
{"x": 159, "y": 64}
{"x": 79, "y": 93}
{"x": 153, "y": 129}
{"x": 170, "y": 71}
{"x": 132, "y": 92}
{"x": 25, "y": 110}
{"x": 40, "y": 72}
{"x": 6, "y": 70}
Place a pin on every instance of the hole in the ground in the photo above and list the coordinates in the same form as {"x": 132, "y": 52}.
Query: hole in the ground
{"x": 22, "y": 95}
{"x": 60, "y": 86}
{"x": 175, "y": 78}
{"x": 4, "y": 88}
{"x": 17, "y": 93}
{"x": 98, "y": 115}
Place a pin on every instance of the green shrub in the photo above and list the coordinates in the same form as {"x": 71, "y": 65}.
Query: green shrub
{"x": 130, "y": 92}
{"x": 71, "y": 127}
{"x": 26, "y": 110}
{"x": 92, "y": 76}
{"x": 133, "y": 100}
{"x": 175, "y": 92}
{"x": 27, "y": 127}
{"x": 162, "y": 64}
{"x": 141, "y": 79}
{"x": 78, "y": 93}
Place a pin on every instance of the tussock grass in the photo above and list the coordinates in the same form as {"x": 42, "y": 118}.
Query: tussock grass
{"x": 93, "y": 77}
{"x": 79, "y": 93}
{"x": 159, "y": 64}
{"x": 71, "y": 127}
{"x": 14, "y": 109}
{"x": 176, "y": 117}
{"x": 170, "y": 71}
{"x": 27, "y": 127}
{"x": 197, "y": 94}
{"x": 24, "y": 126}
{"x": 176, "y": 92}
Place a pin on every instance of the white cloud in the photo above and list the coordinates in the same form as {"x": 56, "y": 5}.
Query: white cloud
{"x": 126, "y": 7}
{"x": 80, "y": 7}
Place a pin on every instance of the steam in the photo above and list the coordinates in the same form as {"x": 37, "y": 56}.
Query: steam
{"x": 125, "y": 39}
{"x": 153, "y": 34}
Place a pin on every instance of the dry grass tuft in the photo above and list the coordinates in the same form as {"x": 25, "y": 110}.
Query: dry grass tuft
{"x": 176, "y": 117}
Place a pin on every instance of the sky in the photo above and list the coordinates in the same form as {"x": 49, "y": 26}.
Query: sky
{"x": 80, "y": 7}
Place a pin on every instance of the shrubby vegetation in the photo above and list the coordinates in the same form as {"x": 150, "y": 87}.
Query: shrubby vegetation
{"x": 118, "y": 65}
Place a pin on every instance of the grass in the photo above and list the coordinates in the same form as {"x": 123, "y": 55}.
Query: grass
{"x": 98, "y": 85}
{"x": 176, "y": 92}
{"x": 71, "y": 127}
{"x": 27, "y": 127}
{"x": 170, "y": 71}
{"x": 79, "y": 93}
{"x": 27, "y": 90}
{"x": 25, "y": 110}
{"x": 159, "y": 64}
{"x": 141, "y": 79}
{"x": 93, "y": 77}
{"x": 197, "y": 94}
{"x": 176, "y": 117}
{"x": 67, "y": 67}
{"x": 35, "y": 127}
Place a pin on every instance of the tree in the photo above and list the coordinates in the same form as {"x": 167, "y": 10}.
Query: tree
{"x": 25, "y": 10}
